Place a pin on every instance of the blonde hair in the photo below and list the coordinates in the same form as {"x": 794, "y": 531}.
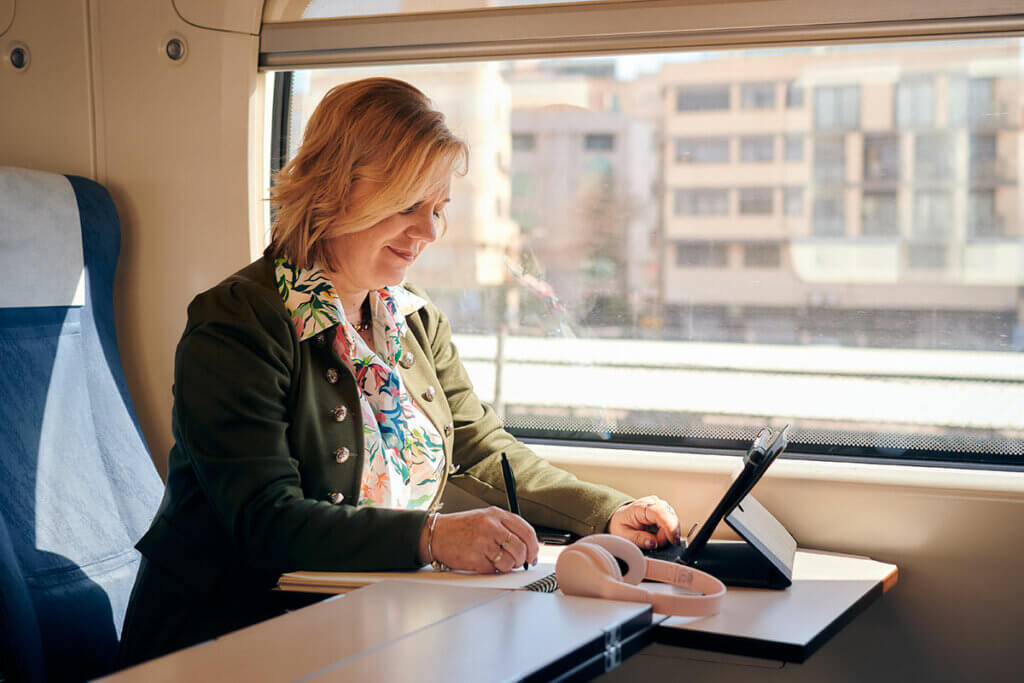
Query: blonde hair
{"x": 381, "y": 130}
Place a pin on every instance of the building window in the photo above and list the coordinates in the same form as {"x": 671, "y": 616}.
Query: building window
{"x": 982, "y": 219}
{"x": 915, "y": 102}
{"x": 828, "y": 216}
{"x": 926, "y": 256}
{"x": 598, "y": 142}
{"x": 794, "y": 145}
{"x": 981, "y": 103}
{"x": 793, "y": 201}
{"x": 756, "y": 201}
{"x": 523, "y": 185}
{"x": 933, "y": 157}
{"x": 757, "y": 95}
{"x": 702, "y": 254}
{"x": 983, "y": 158}
{"x": 701, "y": 201}
{"x": 830, "y": 160}
{"x": 524, "y": 142}
{"x": 757, "y": 148}
{"x": 881, "y": 158}
{"x": 525, "y": 218}
{"x": 702, "y": 97}
{"x": 598, "y": 175}
{"x": 933, "y": 214}
{"x": 794, "y": 95}
{"x": 702, "y": 150}
{"x": 972, "y": 102}
{"x": 837, "y": 106}
{"x": 880, "y": 215}
{"x": 762, "y": 255}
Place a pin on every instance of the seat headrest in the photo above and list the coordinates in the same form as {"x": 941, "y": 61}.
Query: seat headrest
{"x": 40, "y": 240}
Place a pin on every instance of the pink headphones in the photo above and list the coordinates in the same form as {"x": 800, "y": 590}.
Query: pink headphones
{"x": 588, "y": 568}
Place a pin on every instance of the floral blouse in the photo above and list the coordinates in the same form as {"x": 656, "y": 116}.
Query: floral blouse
{"x": 404, "y": 453}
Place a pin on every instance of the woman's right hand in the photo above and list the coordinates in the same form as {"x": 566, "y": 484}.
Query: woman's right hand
{"x": 485, "y": 541}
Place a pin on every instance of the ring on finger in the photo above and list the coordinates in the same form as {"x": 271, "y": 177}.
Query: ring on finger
{"x": 497, "y": 558}
{"x": 647, "y": 513}
{"x": 508, "y": 539}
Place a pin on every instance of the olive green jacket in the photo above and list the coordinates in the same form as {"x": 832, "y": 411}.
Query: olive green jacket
{"x": 268, "y": 451}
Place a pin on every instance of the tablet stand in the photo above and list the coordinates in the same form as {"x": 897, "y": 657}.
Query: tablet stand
{"x": 763, "y": 559}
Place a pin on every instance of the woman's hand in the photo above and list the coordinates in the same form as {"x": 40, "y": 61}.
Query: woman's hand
{"x": 485, "y": 541}
{"x": 649, "y": 522}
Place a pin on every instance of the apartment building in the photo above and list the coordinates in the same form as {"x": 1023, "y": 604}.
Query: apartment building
{"x": 863, "y": 195}
{"x": 586, "y": 163}
{"x": 581, "y": 193}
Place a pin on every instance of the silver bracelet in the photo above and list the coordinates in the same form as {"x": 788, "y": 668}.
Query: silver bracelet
{"x": 436, "y": 564}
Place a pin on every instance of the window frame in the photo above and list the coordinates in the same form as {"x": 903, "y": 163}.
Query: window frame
{"x": 628, "y": 27}
{"x": 593, "y": 28}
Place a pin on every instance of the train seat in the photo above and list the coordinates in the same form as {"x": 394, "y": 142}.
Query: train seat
{"x": 77, "y": 485}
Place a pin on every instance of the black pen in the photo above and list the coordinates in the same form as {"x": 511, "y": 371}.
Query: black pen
{"x": 510, "y": 491}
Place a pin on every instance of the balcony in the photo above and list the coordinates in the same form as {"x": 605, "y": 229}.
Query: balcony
{"x": 996, "y": 262}
{"x": 847, "y": 260}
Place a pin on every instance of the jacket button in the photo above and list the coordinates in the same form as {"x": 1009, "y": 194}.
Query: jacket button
{"x": 332, "y": 376}
{"x": 452, "y": 468}
{"x": 335, "y": 497}
{"x": 429, "y": 394}
{"x": 407, "y": 360}
{"x": 341, "y": 455}
{"x": 448, "y": 429}
{"x": 339, "y": 413}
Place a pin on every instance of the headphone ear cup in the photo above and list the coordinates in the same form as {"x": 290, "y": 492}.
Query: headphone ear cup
{"x": 623, "y": 550}
{"x": 588, "y": 569}
{"x": 584, "y": 570}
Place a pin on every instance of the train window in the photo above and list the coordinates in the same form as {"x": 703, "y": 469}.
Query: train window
{"x": 673, "y": 249}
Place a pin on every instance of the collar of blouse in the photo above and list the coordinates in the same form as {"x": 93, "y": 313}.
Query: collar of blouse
{"x": 313, "y": 304}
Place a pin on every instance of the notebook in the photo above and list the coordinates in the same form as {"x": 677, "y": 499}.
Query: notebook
{"x": 540, "y": 578}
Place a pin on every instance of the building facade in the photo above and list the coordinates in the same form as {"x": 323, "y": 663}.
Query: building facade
{"x": 848, "y": 195}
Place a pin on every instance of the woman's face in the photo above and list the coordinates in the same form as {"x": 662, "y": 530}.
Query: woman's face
{"x": 381, "y": 254}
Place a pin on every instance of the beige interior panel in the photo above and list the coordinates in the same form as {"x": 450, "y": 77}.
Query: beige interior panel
{"x": 239, "y": 16}
{"x": 6, "y": 17}
{"x": 46, "y": 109}
{"x": 174, "y": 150}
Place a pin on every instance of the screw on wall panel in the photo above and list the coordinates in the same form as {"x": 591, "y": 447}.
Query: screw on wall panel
{"x": 19, "y": 56}
{"x": 175, "y": 49}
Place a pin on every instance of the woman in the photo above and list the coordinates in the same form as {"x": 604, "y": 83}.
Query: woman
{"x": 320, "y": 406}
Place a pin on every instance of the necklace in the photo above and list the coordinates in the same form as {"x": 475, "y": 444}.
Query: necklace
{"x": 364, "y": 315}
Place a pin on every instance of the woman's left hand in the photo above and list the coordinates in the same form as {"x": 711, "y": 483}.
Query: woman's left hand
{"x": 649, "y": 522}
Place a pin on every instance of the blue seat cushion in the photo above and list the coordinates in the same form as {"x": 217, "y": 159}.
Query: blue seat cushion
{"x": 77, "y": 486}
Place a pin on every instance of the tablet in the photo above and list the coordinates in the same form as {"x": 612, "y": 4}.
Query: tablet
{"x": 763, "y": 451}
